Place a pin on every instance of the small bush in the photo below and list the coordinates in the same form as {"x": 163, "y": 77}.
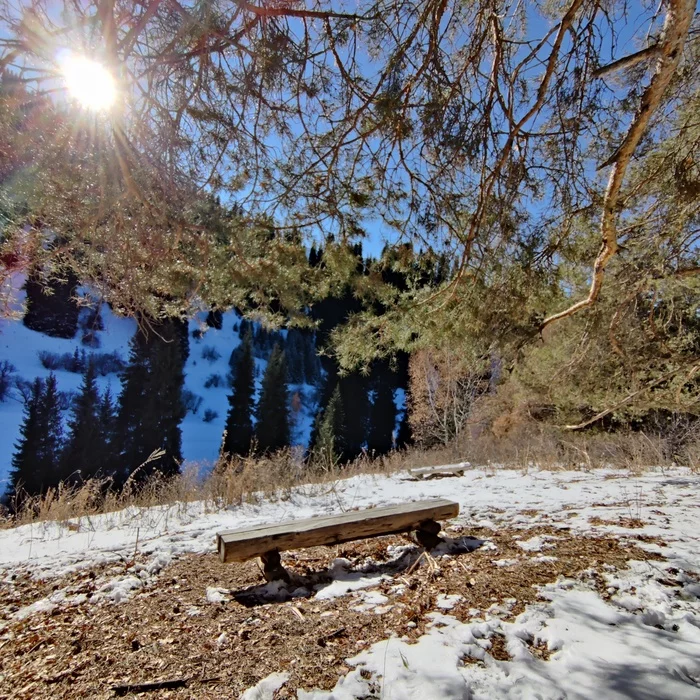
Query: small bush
{"x": 191, "y": 401}
{"x": 209, "y": 415}
{"x": 210, "y": 353}
{"x": 214, "y": 380}
{"x": 50, "y": 360}
{"x": 107, "y": 363}
{"x": 7, "y": 371}
{"x": 197, "y": 334}
{"x": 23, "y": 388}
{"x": 90, "y": 339}
{"x": 104, "y": 362}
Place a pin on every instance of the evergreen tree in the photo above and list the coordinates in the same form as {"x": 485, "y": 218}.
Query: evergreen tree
{"x": 239, "y": 425}
{"x": 356, "y": 406}
{"x": 35, "y": 461}
{"x": 105, "y": 459}
{"x": 314, "y": 256}
{"x": 51, "y": 307}
{"x": 382, "y": 416}
{"x": 78, "y": 460}
{"x": 150, "y": 404}
{"x": 326, "y": 390}
{"x": 328, "y": 444}
{"x": 215, "y": 319}
{"x": 294, "y": 353}
{"x": 312, "y": 363}
{"x": 23, "y": 476}
{"x": 272, "y": 427}
{"x": 404, "y": 435}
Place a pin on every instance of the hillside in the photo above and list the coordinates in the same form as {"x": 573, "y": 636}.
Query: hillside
{"x": 552, "y": 585}
{"x": 209, "y": 354}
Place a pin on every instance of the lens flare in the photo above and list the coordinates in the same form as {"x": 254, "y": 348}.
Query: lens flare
{"x": 89, "y": 82}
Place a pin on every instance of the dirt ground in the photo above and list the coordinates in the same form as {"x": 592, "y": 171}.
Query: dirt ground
{"x": 216, "y": 650}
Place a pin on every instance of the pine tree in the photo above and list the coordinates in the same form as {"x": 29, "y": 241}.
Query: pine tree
{"x": 215, "y": 319}
{"x": 51, "y": 307}
{"x": 356, "y": 406}
{"x": 23, "y": 476}
{"x": 272, "y": 413}
{"x": 404, "y": 435}
{"x": 312, "y": 363}
{"x": 294, "y": 353}
{"x": 382, "y": 416}
{"x": 150, "y": 404}
{"x": 128, "y": 424}
{"x": 239, "y": 424}
{"x": 328, "y": 448}
{"x": 314, "y": 256}
{"x": 84, "y": 437}
{"x": 35, "y": 461}
{"x": 105, "y": 458}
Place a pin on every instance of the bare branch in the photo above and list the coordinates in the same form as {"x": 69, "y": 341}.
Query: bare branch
{"x": 626, "y": 61}
{"x": 676, "y": 26}
{"x": 647, "y": 387}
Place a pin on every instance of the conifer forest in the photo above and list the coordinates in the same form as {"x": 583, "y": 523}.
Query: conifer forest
{"x": 445, "y": 220}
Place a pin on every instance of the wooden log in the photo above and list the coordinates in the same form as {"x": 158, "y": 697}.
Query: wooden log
{"x": 243, "y": 544}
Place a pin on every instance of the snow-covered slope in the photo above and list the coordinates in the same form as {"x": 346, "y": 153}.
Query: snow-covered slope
{"x": 200, "y": 439}
{"x": 608, "y": 632}
{"x": 21, "y": 346}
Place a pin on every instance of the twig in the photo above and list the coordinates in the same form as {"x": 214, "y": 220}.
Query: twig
{"x": 415, "y": 564}
{"x": 149, "y": 686}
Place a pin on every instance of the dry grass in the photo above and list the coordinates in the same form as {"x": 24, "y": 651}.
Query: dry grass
{"x": 537, "y": 445}
{"x": 530, "y": 445}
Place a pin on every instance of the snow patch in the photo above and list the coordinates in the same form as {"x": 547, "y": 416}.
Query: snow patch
{"x": 266, "y": 688}
{"x": 217, "y": 595}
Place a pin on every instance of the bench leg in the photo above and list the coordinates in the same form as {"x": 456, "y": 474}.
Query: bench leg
{"x": 272, "y": 567}
{"x": 428, "y": 533}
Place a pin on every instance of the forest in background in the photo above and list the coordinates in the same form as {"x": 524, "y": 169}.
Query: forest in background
{"x": 540, "y": 193}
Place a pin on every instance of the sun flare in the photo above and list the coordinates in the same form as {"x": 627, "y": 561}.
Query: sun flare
{"x": 89, "y": 82}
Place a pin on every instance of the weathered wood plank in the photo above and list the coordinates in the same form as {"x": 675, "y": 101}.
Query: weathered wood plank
{"x": 437, "y": 472}
{"x": 246, "y": 543}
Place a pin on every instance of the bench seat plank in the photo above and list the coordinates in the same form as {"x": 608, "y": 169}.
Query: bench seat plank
{"x": 246, "y": 543}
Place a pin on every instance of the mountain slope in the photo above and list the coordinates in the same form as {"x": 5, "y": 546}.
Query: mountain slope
{"x": 201, "y": 433}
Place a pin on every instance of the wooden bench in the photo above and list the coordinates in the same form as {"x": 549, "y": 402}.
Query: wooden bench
{"x": 427, "y": 473}
{"x": 267, "y": 541}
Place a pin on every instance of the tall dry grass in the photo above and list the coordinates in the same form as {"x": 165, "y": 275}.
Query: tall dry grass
{"x": 252, "y": 479}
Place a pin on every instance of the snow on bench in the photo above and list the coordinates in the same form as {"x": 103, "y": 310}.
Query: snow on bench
{"x": 267, "y": 541}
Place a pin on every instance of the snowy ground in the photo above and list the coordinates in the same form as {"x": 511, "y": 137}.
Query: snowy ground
{"x": 609, "y": 632}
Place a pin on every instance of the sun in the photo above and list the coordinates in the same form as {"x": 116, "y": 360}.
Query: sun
{"x": 89, "y": 82}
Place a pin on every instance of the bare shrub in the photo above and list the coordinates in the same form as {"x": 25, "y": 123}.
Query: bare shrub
{"x": 210, "y": 353}
{"x": 443, "y": 388}
{"x": 7, "y": 376}
{"x": 252, "y": 479}
{"x": 209, "y": 415}
{"x": 104, "y": 362}
{"x": 191, "y": 402}
{"x": 214, "y": 380}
